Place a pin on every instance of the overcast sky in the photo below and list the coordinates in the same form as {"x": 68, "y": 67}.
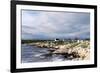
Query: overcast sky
{"x": 50, "y": 25}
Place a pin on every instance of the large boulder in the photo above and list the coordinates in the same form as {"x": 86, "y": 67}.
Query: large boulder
{"x": 62, "y": 49}
{"x": 82, "y": 52}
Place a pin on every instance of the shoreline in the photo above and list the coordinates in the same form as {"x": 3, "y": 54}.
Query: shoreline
{"x": 74, "y": 50}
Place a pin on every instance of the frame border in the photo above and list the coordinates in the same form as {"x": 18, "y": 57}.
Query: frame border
{"x": 13, "y": 35}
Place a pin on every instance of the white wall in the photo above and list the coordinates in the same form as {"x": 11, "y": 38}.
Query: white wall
{"x": 5, "y": 36}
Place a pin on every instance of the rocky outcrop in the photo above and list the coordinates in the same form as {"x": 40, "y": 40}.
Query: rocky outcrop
{"x": 77, "y": 50}
{"x": 83, "y": 53}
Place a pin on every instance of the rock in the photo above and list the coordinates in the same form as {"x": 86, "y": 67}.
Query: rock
{"x": 56, "y": 47}
{"x": 82, "y": 52}
{"x": 62, "y": 49}
{"x": 69, "y": 51}
{"x": 51, "y": 49}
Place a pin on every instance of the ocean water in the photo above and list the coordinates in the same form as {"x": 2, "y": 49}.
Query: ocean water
{"x": 35, "y": 54}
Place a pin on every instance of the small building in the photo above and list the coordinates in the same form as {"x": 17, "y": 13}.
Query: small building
{"x": 78, "y": 41}
{"x": 56, "y": 39}
{"x": 63, "y": 40}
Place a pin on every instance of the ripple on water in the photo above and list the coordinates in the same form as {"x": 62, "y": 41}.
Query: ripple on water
{"x": 35, "y": 54}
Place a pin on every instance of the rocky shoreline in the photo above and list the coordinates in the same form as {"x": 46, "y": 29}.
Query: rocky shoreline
{"x": 74, "y": 51}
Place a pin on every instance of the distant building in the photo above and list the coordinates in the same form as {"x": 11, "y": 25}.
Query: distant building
{"x": 63, "y": 40}
{"x": 78, "y": 41}
{"x": 56, "y": 39}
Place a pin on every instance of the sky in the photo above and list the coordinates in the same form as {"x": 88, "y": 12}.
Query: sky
{"x": 51, "y": 24}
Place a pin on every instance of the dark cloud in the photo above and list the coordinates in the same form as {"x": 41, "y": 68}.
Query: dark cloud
{"x": 45, "y": 25}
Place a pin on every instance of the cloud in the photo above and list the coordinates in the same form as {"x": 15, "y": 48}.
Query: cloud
{"x": 47, "y": 25}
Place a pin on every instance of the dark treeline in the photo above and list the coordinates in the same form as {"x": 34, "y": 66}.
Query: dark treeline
{"x": 34, "y": 41}
{"x": 60, "y": 41}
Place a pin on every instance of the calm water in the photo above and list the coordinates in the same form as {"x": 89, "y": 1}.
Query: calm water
{"x": 35, "y": 54}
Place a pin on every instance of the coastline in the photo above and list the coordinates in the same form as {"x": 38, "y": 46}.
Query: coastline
{"x": 75, "y": 51}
